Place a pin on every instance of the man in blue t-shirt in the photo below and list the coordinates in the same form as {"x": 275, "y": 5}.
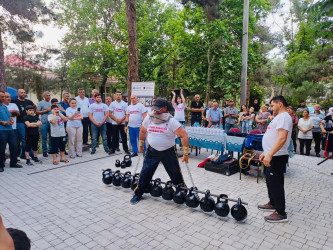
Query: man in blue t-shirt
{"x": 7, "y": 136}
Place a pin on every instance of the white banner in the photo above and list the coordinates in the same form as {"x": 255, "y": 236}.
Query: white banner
{"x": 144, "y": 91}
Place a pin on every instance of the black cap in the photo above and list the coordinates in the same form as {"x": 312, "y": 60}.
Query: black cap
{"x": 29, "y": 107}
{"x": 161, "y": 103}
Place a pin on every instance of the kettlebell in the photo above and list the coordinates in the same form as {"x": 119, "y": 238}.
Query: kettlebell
{"x": 167, "y": 193}
{"x": 126, "y": 180}
{"x": 222, "y": 207}
{"x": 116, "y": 179}
{"x": 148, "y": 187}
{"x": 156, "y": 189}
{"x": 238, "y": 211}
{"x": 128, "y": 160}
{"x": 117, "y": 164}
{"x": 192, "y": 199}
{"x": 179, "y": 195}
{"x": 123, "y": 164}
{"x": 135, "y": 181}
{"x": 207, "y": 203}
{"x": 107, "y": 176}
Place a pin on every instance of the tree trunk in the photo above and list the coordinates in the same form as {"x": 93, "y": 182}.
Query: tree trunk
{"x": 209, "y": 76}
{"x": 248, "y": 93}
{"x": 3, "y": 84}
{"x": 102, "y": 87}
{"x": 133, "y": 61}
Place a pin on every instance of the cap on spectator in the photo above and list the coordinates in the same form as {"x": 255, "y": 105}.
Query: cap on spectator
{"x": 161, "y": 103}
{"x": 29, "y": 107}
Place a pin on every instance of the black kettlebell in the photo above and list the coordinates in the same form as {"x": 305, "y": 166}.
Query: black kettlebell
{"x": 156, "y": 189}
{"x": 107, "y": 176}
{"x": 126, "y": 180}
{"x": 148, "y": 187}
{"x": 128, "y": 160}
{"x": 123, "y": 164}
{"x": 117, "y": 164}
{"x": 167, "y": 193}
{"x": 238, "y": 211}
{"x": 207, "y": 203}
{"x": 179, "y": 195}
{"x": 222, "y": 207}
{"x": 135, "y": 181}
{"x": 192, "y": 199}
{"x": 116, "y": 179}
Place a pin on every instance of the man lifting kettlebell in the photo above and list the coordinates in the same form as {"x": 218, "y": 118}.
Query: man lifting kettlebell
{"x": 161, "y": 129}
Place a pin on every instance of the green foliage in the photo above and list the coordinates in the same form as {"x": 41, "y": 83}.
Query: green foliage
{"x": 256, "y": 92}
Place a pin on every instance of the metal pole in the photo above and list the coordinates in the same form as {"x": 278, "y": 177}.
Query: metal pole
{"x": 244, "y": 51}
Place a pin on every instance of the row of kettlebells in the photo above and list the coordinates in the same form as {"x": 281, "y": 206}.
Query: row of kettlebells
{"x": 127, "y": 162}
{"x": 180, "y": 196}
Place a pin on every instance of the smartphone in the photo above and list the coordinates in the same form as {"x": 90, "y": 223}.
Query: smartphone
{"x": 79, "y": 109}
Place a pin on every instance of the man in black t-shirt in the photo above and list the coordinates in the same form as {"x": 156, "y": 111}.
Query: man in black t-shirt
{"x": 197, "y": 109}
{"x": 21, "y": 103}
{"x": 32, "y": 123}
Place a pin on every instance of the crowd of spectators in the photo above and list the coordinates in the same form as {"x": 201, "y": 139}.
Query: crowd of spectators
{"x": 71, "y": 120}
{"x": 22, "y": 123}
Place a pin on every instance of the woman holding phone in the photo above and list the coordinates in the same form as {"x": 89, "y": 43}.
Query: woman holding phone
{"x": 74, "y": 129}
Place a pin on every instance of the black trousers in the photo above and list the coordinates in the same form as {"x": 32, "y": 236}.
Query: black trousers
{"x": 307, "y": 143}
{"x": 85, "y": 124}
{"x": 152, "y": 159}
{"x": 196, "y": 119}
{"x": 317, "y": 141}
{"x": 275, "y": 183}
{"x": 293, "y": 138}
{"x": 115, "y": 137}
{"x": 109, "y": 134}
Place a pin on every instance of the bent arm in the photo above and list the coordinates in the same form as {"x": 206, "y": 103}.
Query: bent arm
{"x": 181, "y": 133}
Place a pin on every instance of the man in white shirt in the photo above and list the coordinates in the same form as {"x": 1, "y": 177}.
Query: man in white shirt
{"x": 98, "y": 114}
{"x": 117, "y": 113}
{"x": 161, "y": 129}
{"x": 275, "y": 157}
{"x": 83, "y": 105}
{"x": 135, "y": 114}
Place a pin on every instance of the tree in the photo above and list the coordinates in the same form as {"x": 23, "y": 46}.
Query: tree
{"x": 18, "y": 15}
{"x": 132, "y": 60}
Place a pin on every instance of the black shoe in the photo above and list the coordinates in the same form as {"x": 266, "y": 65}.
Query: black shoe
{"x": 92, "y": 152}
{"x": 1, "y": 169}
{"x": 318, "y": 155}
{"x": 136, "y": 198}
{"x": 134, "y": 154}
{"x": 66, "y": 153}
{"x": 29, "y": 163}
{"x": 127, "y": 152}
{"x": 45, "y": 155}
{"x": 16, "y": 166}
{"x": 111, "y": 152}
{"x": 107, "y": 151}
{"x": 118, "y": 149}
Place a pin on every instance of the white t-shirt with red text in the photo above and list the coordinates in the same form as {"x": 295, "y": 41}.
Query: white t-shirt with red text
{"x": 161, "y": 136}
{"x": 97, "y": 111}
{"x": 180, "y": 112}
{"x": 281, "y": 121}
{"x": 118, "y": 110}
{"x": 135, "y": 113}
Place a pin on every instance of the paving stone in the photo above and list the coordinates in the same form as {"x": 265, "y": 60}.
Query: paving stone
{"x": 58, "y": 212}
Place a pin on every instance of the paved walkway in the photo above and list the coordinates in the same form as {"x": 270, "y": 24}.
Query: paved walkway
{"x": 68, "y": 207}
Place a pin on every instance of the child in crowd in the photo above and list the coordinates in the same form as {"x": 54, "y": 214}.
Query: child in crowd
{"x": 32, "y": 123}
{"x": 54, "y": 101}
{"x": 245, "y": 120}
{"x": 58, "y": 134}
